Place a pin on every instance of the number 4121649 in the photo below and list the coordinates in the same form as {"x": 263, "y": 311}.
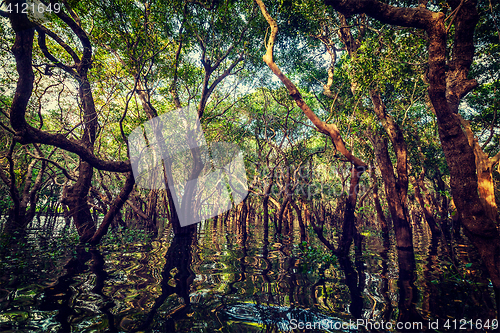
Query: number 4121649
{"x": 463, "y": 324}
{"x": 32, "y": 8}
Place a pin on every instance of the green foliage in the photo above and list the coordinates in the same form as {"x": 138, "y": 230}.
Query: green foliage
{"x": 124, "y": 237}
{"x": 317, "y": 257}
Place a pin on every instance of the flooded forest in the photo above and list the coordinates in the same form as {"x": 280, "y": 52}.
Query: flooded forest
{"x": 249, "y": 166}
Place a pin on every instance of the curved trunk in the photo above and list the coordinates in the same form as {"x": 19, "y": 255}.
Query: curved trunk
{"x": 396, "y": 188}
{"x": 76, "y": 196}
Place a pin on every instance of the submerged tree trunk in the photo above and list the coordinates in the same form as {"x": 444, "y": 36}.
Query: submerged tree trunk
{"x": 242, "y": 222}
{"x": 378, "y": 207}
{"x": 328, "y": 129}
{"x": 302, "y": 227}
{"x": 349, "y": 224}
{"x": 448, "y": 83}
{"x": 396, "y": 195}
{"x": 76, "y": 196}
{"x": 426, "y": 204}
{"x": 441, "y": 198}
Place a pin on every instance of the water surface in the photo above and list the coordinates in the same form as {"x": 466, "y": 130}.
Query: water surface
{"x": 227, "y": 281}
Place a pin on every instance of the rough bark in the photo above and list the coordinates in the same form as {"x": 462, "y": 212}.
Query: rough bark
{"x": 76, "y": 195}
{"x": 349, "y": 223}
{"x": 484, "y": 166}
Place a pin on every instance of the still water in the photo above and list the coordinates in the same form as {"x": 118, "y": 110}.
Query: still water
{"x": 224, "y": 279}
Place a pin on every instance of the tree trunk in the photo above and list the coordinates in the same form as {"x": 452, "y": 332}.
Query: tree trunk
{"x": 448, "y": 84}
{"x": 442, "y": 200}
{"x": 114, "y": 209}
{"x": 302, "y": 227}
{"x": 349, "y": 225}
{"x": 378, "y": 207}
{"x": 484, "y": 167}
{"x": 75, "y": 197}
{"x": 423, "y": 199}
{"x": 396, "y": 198}
{"x": 328, "y": 129}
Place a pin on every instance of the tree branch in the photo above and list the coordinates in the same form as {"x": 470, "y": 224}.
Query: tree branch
{"x": 419, "y": 17}
{"x": 329, "y": 129}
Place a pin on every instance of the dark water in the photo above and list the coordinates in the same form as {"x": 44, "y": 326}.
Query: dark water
{"x": 223, "y": 281}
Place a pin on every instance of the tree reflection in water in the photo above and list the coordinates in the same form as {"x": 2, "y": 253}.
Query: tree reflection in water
{"x": 233, "y": 276}
{"x": 177, "y": 277}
